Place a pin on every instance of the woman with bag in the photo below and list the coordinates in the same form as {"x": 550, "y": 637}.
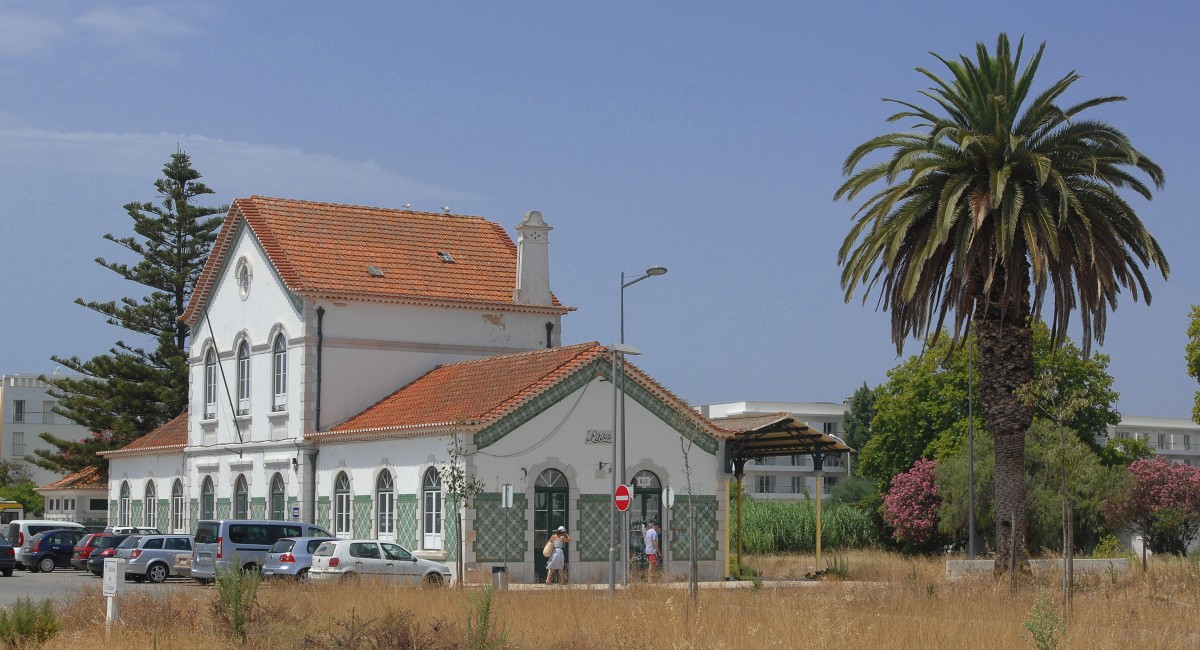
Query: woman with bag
{"x": 558, "y": 559}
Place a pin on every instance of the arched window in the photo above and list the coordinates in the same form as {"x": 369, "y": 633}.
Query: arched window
{"x": 341, "y": 505}
{"x": 278, "y": 498}
{"x": 241, "y": 499}
{"x": 279, "y": 367}
{"x": 177, "y": 507}
{"x": 432, "y": 513}
{"x": 150, "y": 510}
{"x": 123, "y": 505}
{"x": 208, "y": 499}
{"x": 385, "y": 504}
{"x": 210, "y": 384}
{"x": 243, "y": 378}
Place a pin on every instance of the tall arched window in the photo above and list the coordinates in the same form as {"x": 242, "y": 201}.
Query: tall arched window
{"x": 177, "y": 507}
{"x": 123, "y": 505}
{"x": 278, "y": 498}
{"x": 341, "y": 505}
{"x": 208, "y": 499}
{"x": 279, "y": 367}
{"x": 241, "y": 498}
{"x": 150, "y": 510}
{"x": 210, "y": 384}
{"x": 243, "y": 378}
{"x": 432, "y": 513}
{"x": 385, "y": 505}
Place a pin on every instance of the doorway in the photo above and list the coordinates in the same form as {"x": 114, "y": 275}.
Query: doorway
{"x": 550, "y": 498}
{"x": 645, "y": 510}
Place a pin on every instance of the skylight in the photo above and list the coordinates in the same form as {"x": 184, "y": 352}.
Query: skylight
{"x": 375, "y": 271}
{"x": 445, "y": 257}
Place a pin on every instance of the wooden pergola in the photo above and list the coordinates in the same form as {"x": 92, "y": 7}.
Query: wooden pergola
{"x": 765, "y": 435}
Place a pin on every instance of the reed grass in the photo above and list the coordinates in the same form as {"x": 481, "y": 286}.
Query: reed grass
{"x": 888, "y": 601}
{"x": 782, "y": 526}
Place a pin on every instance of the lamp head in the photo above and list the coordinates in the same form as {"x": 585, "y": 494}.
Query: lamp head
{"x": 656, "y": 270}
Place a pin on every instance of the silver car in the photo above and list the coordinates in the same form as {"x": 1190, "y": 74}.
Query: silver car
{"x": 291, "y": 557}
{"x": 353, "y": 558}
{"x": 156, "y": 557}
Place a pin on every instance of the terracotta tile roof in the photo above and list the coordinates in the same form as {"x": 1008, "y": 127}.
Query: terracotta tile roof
{"x": 170, "y": 437}
{"x": 88, "y": 478}
{"x": 475, "y": 394}
{"x": 325, "y": 250}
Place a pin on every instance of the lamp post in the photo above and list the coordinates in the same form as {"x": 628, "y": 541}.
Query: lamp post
{"x": 619, "y": 350}
{"x": 627, "y": 282}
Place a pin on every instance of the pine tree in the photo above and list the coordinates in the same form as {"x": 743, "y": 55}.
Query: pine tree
{"x": 134, "y": 388}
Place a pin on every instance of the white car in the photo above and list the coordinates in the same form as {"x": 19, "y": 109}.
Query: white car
{"x": 354, "y": 558}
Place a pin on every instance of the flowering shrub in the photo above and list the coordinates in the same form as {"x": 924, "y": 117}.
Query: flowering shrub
{"x": 911, "y": 504}
{"x": 1162, "y": 505}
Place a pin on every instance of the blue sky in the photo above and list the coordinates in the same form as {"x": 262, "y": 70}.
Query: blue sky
{"x": 705, "y": 137}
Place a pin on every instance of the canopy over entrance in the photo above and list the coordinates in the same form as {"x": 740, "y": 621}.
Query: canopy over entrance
{"x": 763, "y": 435}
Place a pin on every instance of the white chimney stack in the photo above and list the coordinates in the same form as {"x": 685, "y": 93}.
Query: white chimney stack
{"x": 533, "y": 261}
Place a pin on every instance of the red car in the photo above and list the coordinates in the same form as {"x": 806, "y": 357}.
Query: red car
{"x": 83, "y": 550}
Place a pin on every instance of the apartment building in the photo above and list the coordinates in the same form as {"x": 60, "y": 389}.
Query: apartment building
{"x": 26, "y": 410}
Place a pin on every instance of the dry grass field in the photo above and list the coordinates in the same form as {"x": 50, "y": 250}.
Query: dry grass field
{"x": 886, "y": 601}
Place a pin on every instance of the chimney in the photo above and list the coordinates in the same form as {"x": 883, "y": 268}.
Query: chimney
{"x": 533, "y": 261}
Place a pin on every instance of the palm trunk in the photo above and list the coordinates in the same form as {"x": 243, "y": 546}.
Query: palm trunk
{"x": 1005, "y": 364}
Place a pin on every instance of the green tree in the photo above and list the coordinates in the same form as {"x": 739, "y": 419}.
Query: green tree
{"x": 1192, "y": 355}
{"x": 997, "y": 201}
{"x": 1090, "y": 483}
{"x": 858, "y": 417}
{"x": 134, "y": 388}
{"x": 13, "y": 472}
{"x": 23, "y": 493}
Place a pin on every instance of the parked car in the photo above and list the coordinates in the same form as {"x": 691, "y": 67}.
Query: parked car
{"x": 83, "y": 549}
{"x": 50, "y": 549}
{"x": 291, "y": 557}
{"x": 227, "y": 544}
{"x": 20, "y": 530}
{"x": 133, "y": 530}
{"x": 8, "y": 558}
{"x": 351, "y": 558}
{"x": 156, "y": 557}
{"x": 106, "y": 547}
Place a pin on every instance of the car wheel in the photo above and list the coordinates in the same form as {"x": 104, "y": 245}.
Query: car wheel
{"x": 350, "y": 578}
{"x": 252, "y": 570}
{"x": 433, "y": 580}
{"x": 157, "y": 573}
{"x": 8, "y": 573}
{"x": 98, "y": 573}
{"x": 302, "y": 576}
{"x": 46, "y": 564}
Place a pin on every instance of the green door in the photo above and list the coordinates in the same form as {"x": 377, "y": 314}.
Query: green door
{"x": 645, "y": 510}
{"x": 550, "y": 495}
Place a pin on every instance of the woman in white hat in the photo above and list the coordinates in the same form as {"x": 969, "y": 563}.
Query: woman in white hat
{"x": 558, "y": 559}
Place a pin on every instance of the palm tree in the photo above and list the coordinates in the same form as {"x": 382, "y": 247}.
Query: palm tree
{"x": 984, "y": 210}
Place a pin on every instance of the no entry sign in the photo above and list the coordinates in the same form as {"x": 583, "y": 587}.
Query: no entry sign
{"x": 621, "y": 497}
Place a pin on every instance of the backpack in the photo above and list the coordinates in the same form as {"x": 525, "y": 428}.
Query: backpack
{"x": 548, "y": 550}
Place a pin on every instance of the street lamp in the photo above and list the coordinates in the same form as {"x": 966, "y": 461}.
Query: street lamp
{"x": 619, "y": 350}
{"x": 626, "y": 282}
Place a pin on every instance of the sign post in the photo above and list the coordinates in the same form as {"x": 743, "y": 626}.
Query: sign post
{"x": 622, "y": 498}
{"x": 506, "y": 502}
{"x": 114, "y": 584}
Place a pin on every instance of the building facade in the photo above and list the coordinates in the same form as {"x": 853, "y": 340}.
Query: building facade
{"x": 340, "y": 353}
{"x": 26, "y": 410}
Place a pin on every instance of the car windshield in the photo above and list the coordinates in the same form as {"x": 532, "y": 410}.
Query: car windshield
{"x": 283, "y": 546}
{"x": 326, "y": 549}
{"x": 130, "y": 542}
{"x": 207, "y": 532}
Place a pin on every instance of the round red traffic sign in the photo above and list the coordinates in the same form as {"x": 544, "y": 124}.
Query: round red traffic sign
{"x": 621, "y": 497}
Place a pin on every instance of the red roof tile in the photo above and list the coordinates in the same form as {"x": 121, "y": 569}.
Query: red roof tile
{"x": 171, "y": 436}
{"x": 475, "y": 394}
{"x": 88, "y": 478}
{"x": 325, "y": 250}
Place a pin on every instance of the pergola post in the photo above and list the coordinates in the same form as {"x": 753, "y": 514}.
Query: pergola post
{"x": 739, "y": 471}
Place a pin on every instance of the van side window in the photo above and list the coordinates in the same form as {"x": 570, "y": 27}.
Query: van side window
{"x": 313, "y": 531}
{"x": 278, "y": 531}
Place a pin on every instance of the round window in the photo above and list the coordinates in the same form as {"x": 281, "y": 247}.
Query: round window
{"x": 244, "y": 277}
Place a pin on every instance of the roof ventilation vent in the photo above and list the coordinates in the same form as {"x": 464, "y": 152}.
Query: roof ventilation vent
{"x": 375, "y": 271}
{"x": 445, "y": 257}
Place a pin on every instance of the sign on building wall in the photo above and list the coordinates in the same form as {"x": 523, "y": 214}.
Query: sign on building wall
{"x": 599, "y": 437}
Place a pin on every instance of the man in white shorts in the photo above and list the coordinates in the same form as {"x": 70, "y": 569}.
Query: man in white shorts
{"x": 652, "y": 548}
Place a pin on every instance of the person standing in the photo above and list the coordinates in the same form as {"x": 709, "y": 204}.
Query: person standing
{"x": 558, "y": 559}
{"x": 653, "y": 534}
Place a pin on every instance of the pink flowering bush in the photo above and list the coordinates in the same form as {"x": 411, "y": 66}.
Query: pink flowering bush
{"x": 1162, "y": 505}
{"x": 911, "y": 504}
